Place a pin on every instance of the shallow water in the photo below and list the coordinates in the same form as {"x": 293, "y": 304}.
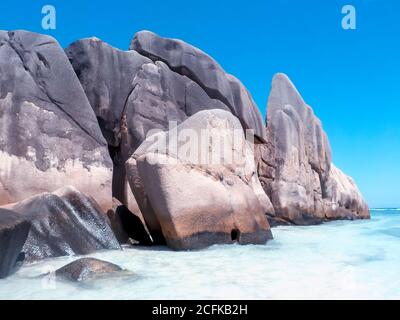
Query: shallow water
{"x": 338, "y": 260}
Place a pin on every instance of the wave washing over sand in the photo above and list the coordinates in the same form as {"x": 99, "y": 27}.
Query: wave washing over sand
{"x": 340, "y": 260}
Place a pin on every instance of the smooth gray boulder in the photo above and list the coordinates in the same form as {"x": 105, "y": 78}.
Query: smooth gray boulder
{"x": 49, "y": 134}
{"x": 13, "y": 233}
{"x": 296, "y": 166}
{"x": 197, "y": 184}
{"x": 65, "y": 222}
{"x": 206, "y": 72}
{"x": 85, "y": 269}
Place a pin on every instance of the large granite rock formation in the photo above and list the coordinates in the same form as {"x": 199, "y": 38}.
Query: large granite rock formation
{"x": 64, "y": 222}
{"x": 49, "y": 135}
{"x": 13, "y": 233}
{"x": 296, "y": 167}
{"x": 132, "y": 94}
{"x": 197, "y": 184}
{"x": 61, "y": 120}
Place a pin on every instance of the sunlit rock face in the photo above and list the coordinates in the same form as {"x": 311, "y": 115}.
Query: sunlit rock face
{"x": 49, "y": 135}
{"x": 197, "y": 184}
{"x": 296, "y": 166}
{"x": 64, "y": 222}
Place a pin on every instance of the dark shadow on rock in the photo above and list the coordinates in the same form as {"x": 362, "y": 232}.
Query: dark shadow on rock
{"x": 133, "y": 226}
{"x": 13, "y": 233}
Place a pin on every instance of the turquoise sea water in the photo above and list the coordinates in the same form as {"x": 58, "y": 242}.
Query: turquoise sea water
{"x": 337, "y": 260}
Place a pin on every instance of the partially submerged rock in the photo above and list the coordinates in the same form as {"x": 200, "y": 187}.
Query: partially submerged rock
{"x": 85, "y": 269}
{"x": 195, "y": 193}
{"x": 13, "y": 233}
{"x": 64, "y": 222}
{"x": 296, "y": 166}
{"x": 49, "y": 134}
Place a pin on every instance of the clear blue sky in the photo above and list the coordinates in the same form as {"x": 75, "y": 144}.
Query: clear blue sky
{"x": 350, "y": 78}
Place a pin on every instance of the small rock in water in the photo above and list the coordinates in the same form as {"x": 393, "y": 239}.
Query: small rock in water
{"x": 86, "y": 269}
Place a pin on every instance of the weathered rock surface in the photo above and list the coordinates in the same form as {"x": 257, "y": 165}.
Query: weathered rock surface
{"x": 296, "y": 167}
{"x": 87, "y": 269}
{"x": 13, "y": 233}
{"x": 64, "y": 222}
{"x": 204, "y": 71}
{"x": 197, "y": 184}
{"x": 49, "y": 134}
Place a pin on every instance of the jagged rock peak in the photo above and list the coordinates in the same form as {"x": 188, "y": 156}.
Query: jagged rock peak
{"x": 293, "y": 122}
{"x": 284, "y": 92}
{"x": 302, "y": 183}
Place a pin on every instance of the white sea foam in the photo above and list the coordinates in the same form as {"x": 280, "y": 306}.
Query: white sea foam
{"x": 345, "y": 260}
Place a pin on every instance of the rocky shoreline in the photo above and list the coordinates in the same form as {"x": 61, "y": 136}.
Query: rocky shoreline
{"x": 87, "y": 163}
